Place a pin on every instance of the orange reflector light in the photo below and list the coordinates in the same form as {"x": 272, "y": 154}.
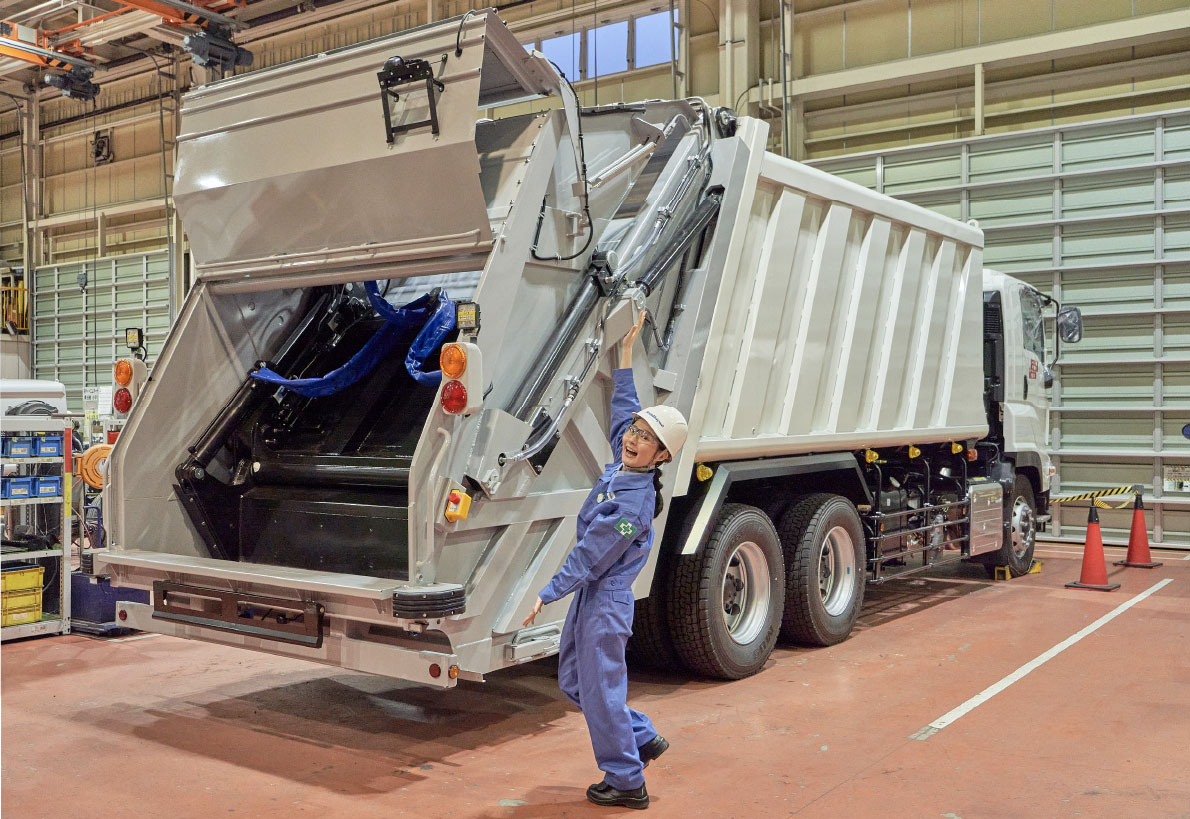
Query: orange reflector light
{"x": 435, "y": 671}
{"x": 122, "y": 400}
{"x": 454, "y": 397}
{"x": 972, "y": 454}
{"x": 453, "y": 672}
{"x": 452, "y": 360}
{"x": 123, "y": 372}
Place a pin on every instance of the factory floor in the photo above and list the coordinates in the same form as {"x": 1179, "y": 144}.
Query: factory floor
{"x": 158, "y": 727}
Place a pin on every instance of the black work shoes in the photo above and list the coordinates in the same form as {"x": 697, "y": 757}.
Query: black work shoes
{"x": 652, "y": 749}
{"x": 602, "y": 793}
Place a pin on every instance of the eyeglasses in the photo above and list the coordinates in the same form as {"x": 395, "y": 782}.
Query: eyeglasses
{"x": 644, "y": 435}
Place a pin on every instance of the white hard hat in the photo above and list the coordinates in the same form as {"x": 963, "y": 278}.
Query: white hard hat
{"x": 667, "y": 423}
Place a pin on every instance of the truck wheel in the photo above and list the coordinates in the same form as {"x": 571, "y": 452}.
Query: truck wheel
{"x": 725, "y": 602}
{"x": 1017, "y": 553}
{"x": 651, "y": 644}
{"x": 825, "y": 556}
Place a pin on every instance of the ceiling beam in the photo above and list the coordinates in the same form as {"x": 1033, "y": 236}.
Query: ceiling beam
{"x": 1117, "y": 34}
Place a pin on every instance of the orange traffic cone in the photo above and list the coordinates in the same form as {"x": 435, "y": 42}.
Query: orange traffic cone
{"x": 1094, "y": 574}
{"x": 1138, "y": 540}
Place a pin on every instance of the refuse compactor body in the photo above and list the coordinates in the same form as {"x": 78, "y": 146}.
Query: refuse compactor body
{"x": 793, "y": 312}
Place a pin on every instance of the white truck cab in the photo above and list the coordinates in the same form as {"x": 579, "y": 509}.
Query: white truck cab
{"x": 1024, "y": 408}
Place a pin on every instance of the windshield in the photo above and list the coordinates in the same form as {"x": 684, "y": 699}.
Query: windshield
{"x": 1033, "y": 322}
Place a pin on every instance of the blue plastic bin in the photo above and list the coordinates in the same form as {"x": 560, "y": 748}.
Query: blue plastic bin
{"x": 13, "y": 488}
{"x": 47, "y": 446}
{"x": 18, "y": 447}
{"x": 48, "y": 486}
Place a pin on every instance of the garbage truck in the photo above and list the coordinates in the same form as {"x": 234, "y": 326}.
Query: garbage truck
{"x": 370, "y": 430}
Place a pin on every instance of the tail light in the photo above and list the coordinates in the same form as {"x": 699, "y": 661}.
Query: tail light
{"x": 454, "y": 397}
{"x": 128, "y": 376}
{"x": 462, "y": 378}
{"x": 122, "y": 400}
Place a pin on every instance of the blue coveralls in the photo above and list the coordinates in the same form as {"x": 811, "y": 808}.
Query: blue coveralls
{"x": 615, "y": 533}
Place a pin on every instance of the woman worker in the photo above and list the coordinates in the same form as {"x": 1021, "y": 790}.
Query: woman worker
{"x": 615, "y": 533}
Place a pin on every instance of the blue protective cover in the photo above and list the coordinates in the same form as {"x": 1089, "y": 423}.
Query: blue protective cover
{"x": 436, "y": 323}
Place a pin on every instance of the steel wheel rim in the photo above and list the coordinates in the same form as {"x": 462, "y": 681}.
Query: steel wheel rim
{"x": 836, "y": 571}
{"x": 1024, "y": 528}
{"x": 746, "y": 593}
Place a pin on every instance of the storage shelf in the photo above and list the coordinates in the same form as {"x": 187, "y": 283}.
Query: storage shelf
{"x": 9, "y": 557}
{"x": 48, "y": 624}
{"x": 33, "y": 423}
{"x": 6, "y": 502}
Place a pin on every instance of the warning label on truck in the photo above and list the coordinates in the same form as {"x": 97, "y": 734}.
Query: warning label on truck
{"x": 1177, "y": 478}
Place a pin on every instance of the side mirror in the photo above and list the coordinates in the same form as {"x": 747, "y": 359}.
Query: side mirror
{"x": 1070, "y": 325}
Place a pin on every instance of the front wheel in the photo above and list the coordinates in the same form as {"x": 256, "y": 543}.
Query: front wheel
{"x": 725, "y": 602}
{"x": 1017, "y": 553}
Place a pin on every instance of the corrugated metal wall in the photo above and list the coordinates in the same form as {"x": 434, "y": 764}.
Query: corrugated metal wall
{"x": 78, "y": 332}
{"x": 1097, "y": 215}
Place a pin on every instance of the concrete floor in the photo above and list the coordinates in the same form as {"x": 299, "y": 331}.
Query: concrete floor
{"x": 158, "y": 727}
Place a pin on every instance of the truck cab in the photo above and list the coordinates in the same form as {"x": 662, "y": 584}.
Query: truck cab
{"x": 1017, "y": 374}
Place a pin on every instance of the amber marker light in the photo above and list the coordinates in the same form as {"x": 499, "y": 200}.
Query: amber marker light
{"x": 453, "y": 360}
{"x": 123, "y": 372}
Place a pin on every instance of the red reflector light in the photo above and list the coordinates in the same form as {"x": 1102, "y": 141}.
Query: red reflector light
{"x": 122, "y": 400}
{"x": 454, "y": 397}
{"x": 435, "y": 671}
{"x": 123, "y": 614}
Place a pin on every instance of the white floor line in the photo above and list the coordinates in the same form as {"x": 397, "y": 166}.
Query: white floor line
{"x": 995, "y": 688}
{"x": 144, "y": 636}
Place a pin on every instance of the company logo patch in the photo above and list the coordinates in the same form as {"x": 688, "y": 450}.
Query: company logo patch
{"x": 626, "y": 528}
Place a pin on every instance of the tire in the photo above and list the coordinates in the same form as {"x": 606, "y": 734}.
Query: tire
{"x": 725, "y": 602}
{"x": 651, "y": 644}
{"x": 825, "y": 560}
{"x": 1017, "y": 553}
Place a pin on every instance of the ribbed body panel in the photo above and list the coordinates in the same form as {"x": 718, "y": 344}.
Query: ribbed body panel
{"x": 848, "y": 319}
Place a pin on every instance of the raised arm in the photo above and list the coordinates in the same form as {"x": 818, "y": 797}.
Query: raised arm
{"x": 624, "y": 398}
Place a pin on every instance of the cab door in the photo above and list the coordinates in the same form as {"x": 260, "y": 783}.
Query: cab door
{"x": 1026, "y": 399}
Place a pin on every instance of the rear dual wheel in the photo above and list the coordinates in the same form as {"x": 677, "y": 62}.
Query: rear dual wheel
{"x": 726, "y": 601}
{"x": 726, "y": 605}
{"x": 823, "y": 542}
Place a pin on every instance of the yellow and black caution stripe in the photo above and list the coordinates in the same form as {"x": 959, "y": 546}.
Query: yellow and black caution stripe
{"x": 1097, "y": 496}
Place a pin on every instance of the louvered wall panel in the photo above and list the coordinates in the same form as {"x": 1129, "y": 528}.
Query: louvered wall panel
{"x": 1097, "y": 214}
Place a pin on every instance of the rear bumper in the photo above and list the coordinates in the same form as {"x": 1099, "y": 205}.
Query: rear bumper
{"x": 361, "y": 623}
{"x": 337, "y": 649}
